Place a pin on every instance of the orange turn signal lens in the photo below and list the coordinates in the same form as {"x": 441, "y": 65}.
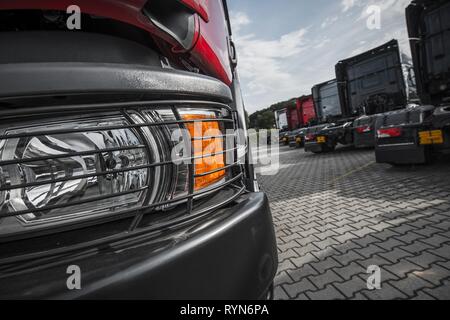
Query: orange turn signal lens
{"x": 208, "y": 147}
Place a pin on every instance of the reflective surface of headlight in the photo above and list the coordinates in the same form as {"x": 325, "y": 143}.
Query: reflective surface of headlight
{"x": 54, "y": 179}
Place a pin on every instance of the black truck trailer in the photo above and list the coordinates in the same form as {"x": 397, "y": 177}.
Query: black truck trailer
{"x": 413, "y": 135}
{"x": 366, "y": 85}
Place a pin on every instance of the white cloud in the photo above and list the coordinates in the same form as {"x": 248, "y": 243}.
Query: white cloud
{"x": 322, "y": 43}
{"x": 329, "y": 21}
{"x": 278, "y": 67}
{"x": 261, "y": 62}
{"x": 347, "y": 5}
{"x": 388, "y": 8}
{"x": 239, "y": 20}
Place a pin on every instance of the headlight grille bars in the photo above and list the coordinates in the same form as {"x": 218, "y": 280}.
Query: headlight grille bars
{"x": 147, "y": 204}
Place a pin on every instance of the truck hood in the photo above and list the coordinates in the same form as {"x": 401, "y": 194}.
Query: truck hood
{"x": 206, "y": 45}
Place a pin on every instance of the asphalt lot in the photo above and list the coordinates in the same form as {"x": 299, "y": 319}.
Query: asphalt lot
{"x": 336, "y": 214}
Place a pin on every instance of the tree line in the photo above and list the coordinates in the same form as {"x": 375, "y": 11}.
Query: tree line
{"x": 265, "y": 118}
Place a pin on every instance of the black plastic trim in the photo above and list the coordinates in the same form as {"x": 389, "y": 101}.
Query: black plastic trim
{"x": 39, "y": 79}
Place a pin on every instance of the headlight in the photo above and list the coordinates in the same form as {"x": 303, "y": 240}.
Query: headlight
{"x": 64, "y": 169}
{"x": 103, "y": 170}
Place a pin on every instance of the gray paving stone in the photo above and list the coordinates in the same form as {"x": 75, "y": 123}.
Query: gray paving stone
{"x": 387, "y": 292}
{"x": 285, "y": 265}
{"x": 303, "y": 250}
{"x": 325, "y": 253}
{"x": 441, "y": 292}
{"x": 409, "y": 237}
{"x": 390, "y": 244}
{"x": 351, "y": 287}
{"x": 303, "y": 272}
{"x": 343, "y": 238}
{"x": 286, "y": 255}
{"x": 436, "y": 240}
{"x": 301, "y": 261}
{"x": 369, "y": 251}
{"x": 280, "y": 294}
{"x": 328, "y": 293}
{"x": 422, "y": 296}
{"x": 350, "y": 256}
{"x": 410, "y": 285}
{"x": 323, "y": 265}
{"x": 402, "y": 268}
{"x": 365, "y": 241}
{"x": 326, "y": 243}
{"x": 443, "y": 251}
{"x": 282, "y": 278}
{"x": 385, "y": 234}
{"x": 425, "y": 259}
{"x": 375, "y": 260}
{"x": 329, "y": 277}
{"x": 416, "y": 247}
{"x": 327, "y": 212}
{"x": 350, "y": 270}
{"x": 395, "y": 255}
{"x": 436, "y": 274}
{"x": 363, "y": 232}
{"x": 293, "y": 290}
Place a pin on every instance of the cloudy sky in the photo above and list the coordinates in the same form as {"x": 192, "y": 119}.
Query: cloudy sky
{"x": 287, "y": 46}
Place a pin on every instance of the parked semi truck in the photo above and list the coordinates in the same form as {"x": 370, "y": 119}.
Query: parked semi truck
{"x": 281, "y": 120}
{"x": 413, "y": 135}
{"x": 300, "y": 111}
{"x": 366, "y": 85}
{"x": 300, "y": 114}
{"x": 281, "y": 124}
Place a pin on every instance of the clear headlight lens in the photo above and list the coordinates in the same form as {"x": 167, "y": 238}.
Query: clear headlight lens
{"x": 57, "y": 169}
{"x": 68, "y": 168}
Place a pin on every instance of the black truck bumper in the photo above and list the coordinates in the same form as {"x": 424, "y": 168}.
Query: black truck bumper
{"x": 229, "y": 255}
{"x": 314, "y": 147}
{"x": 405, "y": 153}
{"x": 402, "y": 150}
{"x": 364, "y": 140}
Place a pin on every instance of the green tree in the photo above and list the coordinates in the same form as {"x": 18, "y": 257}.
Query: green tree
{"x": 265, "y": 119}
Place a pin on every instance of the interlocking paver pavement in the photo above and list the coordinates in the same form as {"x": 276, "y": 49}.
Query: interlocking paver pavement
{"x": 337, "y": 214}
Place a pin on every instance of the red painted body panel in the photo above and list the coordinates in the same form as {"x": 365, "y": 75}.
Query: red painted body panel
{"x": 308, "y": 110}
{"x": 292, "y": 118}
{"x": 300, "y": 112}
{"x": 209, "y": 52}
{"x": 199, "y": 6}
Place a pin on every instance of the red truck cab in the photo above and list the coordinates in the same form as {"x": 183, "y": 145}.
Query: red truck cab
{"x": 300, "y": 112}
